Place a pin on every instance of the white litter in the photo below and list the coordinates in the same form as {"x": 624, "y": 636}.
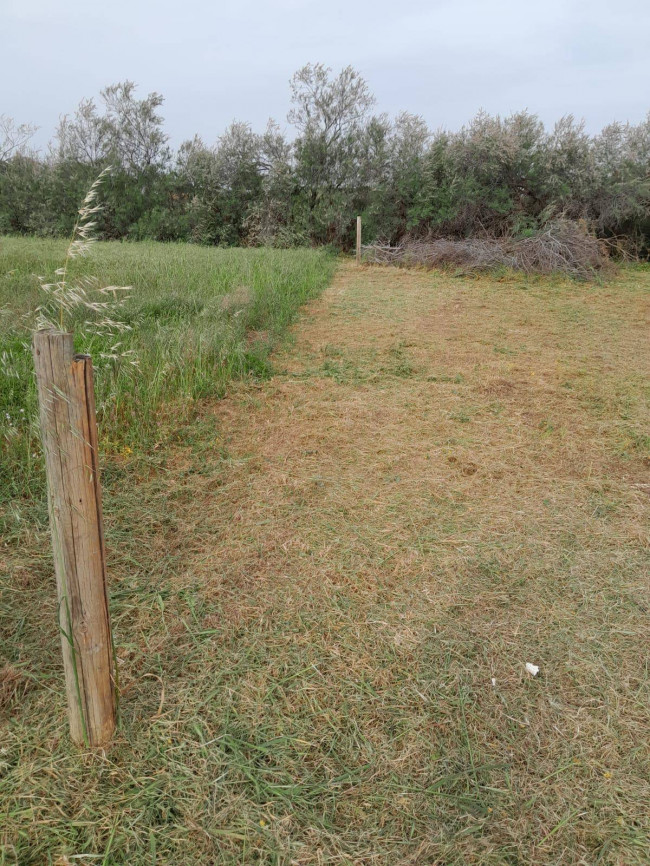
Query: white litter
{"x": 494, "y": 682}
{"x": 533, "y": 670}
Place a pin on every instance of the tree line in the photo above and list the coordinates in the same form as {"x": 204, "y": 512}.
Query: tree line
{"x": 494, "y": 177}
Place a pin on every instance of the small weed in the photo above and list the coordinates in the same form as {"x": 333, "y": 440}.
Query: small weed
{"x": 341, "y": 371}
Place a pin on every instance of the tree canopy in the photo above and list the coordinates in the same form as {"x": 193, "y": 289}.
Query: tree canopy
{"x": 495, "y": 176}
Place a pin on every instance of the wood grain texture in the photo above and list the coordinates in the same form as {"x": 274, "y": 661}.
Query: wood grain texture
{"x": 69, "y": 433}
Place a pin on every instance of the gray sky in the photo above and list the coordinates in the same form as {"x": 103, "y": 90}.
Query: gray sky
{"x": 215, "y": 62}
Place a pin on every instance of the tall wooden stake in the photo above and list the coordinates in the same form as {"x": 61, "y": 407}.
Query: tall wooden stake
{"x": 358, "y": 240}
{"x": 69, "y": 432}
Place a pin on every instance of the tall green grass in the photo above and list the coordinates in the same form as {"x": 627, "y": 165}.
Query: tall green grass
{"x": 198, "y": 318}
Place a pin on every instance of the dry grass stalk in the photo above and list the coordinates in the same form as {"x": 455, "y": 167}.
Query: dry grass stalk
{"x": 68, "y": 297}
{"x": 235, "y": 303}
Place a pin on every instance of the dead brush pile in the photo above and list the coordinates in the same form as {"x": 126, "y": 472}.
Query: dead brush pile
{"x": 563, "y": 246}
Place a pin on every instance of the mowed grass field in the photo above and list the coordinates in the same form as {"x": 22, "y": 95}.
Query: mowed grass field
{"x": 325, "y": 586}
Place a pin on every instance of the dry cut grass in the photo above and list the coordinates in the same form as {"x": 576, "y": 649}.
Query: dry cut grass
{"x": 327, "y": 587}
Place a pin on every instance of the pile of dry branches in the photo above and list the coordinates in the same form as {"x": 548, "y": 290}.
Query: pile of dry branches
{"x": 562, "y": 246}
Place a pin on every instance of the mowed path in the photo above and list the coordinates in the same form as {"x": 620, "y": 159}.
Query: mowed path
{"x": 445, "y": 479}
{"x": 420, "y": 425}
{"x": 325, "y": 589}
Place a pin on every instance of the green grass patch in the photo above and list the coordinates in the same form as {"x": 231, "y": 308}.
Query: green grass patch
{"x": 198, "y": 317}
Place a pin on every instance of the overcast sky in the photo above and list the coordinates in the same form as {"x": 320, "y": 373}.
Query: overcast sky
{"x": 215, "y": 62}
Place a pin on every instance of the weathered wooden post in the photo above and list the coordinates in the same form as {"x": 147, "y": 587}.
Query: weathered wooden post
{"x": 69, "y": 432}
{"x": 358, "y": 240}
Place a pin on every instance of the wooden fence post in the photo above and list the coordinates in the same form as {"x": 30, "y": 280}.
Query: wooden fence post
{"x": 358, "y": 240}
{"x": 69, "y": 432}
